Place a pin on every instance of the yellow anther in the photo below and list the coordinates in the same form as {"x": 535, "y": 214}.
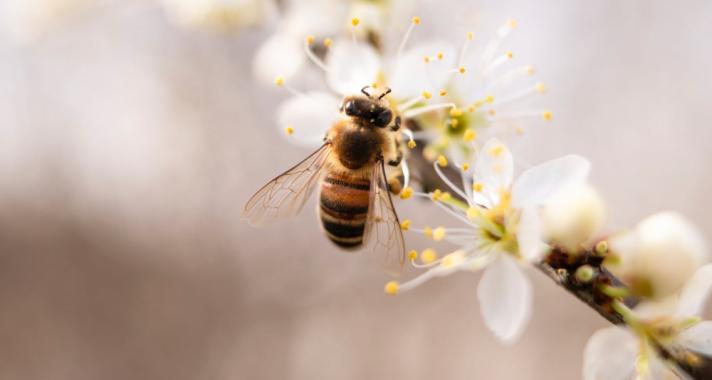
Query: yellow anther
{"x": 440, "y": 55}
{"x": 445, "y": 196}
{"x": 279, "y": 81}
{"x": 428, "y": 232}
{"x": 540, "y": 87}
{"x": 512, "y": 23}
{"x": 478, "y": 187}
{"x": 406, "y": 193}
{"x": 427, "y": 95}
{"x": 426, "y": 59}
{"x": 355, "y": 21}
{"x": 436, "y": 195}
{"x": 509, "y": 55}
{"x": 547, "y": 115}
{"x": 289, "y": 130}
{"x": 455, "y": 112}
{"x": 412, "y": 144}
{"x": 519, "y": 131}
{"x": 492, "y": 112}
{"x": 310, "y": 39}
{"x": 443, "y": 92}
{"x": 453, "y": 123}
{"x": 412, "y": 255}
{"x": 439, "y": 234}
{"x": 471, "y": 109}
{"x": 470, "y": 36}
{"x": 461, "y": 69}
{"x": 465, "y": 167}
{"x": 405, "y": 225}
{"x": 442, "y": 161}
{"x": 469, "y": 135}
{"x": 473, "y": 213}
{"x": 416, "y": 20}
{"x": 489, "y": 99}
{"x": 428, "y": 256}
{"x": 496, "y": 150}
{"x": 328, "y": 42}
{"x": 391, "y": 288}
{"x": 530, "y": 70}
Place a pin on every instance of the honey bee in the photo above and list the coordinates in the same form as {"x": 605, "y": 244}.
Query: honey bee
{"x": 355, "y": 205}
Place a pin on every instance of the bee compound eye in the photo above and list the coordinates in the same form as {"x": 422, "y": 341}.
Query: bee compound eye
{"x": 384, "y": 117}
{"x": 350, "y": 108}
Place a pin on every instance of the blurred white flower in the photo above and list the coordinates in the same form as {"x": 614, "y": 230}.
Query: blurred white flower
{"x": 501, "y": 229}
{"x": 487, "y": 94}
{"x": 350, "y": 65}
{"x": 26, "y": 20}
{"x": 659, "y": 256}
{"x": 221, "y": 14}
{"x": 632, "y": 353}
{"x": 572, "y": 216}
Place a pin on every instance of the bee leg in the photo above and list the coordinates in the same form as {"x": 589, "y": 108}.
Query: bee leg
{"x": 395, "y": 186}
{"x": 399, "y": 155}
{"x": 397, "y": 124}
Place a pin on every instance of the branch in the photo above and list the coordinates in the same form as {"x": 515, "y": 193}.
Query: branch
{"x": 562, "y": 267}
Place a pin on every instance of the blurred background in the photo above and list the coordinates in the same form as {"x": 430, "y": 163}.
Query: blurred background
{"x": 131, "y": 135}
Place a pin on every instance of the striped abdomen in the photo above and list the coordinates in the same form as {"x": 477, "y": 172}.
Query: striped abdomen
{"x": 343, "y": 206}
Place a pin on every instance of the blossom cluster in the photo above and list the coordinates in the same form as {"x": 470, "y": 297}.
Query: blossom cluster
{"x": 458, "y": 103}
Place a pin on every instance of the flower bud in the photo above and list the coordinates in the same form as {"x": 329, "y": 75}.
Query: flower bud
{"x": 572, "y": 216}
{"x": 659, "y": 256}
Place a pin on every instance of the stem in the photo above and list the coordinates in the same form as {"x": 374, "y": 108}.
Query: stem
{"x": 597, "y": 294}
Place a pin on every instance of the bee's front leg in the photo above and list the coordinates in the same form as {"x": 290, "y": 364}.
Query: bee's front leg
{"x": 398, "y": 148}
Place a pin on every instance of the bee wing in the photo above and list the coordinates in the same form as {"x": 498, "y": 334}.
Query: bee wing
{"x": 286, "y": 195}
{"x": 383, "y": 235}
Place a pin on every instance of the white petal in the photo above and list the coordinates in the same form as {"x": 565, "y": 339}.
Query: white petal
{"x": 695, "y": 293}
{"x": 529, "y": 235}
{"x": 657, "y": 369}
{"x": 351, "y": 66}
{"x": 409, "y": 77}
{"x": 698, "y": 338}
{"x": 505, "y": 298}
{"x": 493, "y": 169}
{"x": 537, "y": 184}
{"x": 610, "y": 354}
{"x": 280, "y": 55}
{"x": 310, "y": 116}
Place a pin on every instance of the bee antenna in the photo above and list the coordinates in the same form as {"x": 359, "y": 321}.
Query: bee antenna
{"x": 363, "y": 90}
{"x": 388, "y": 91}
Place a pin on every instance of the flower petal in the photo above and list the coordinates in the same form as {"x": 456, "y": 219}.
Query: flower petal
{"x": 310, "y": 116}
{"x": 610, "y": 354}
{"x": 505, "y": 297}
{"x": 352, "y": 65}
{"x": 698, "y": 338}
{"x": 410, "y": 76}
{"x": 529, "y": 235}
{"x": 493, "y": 170}
{"x": 537, "y": 184}
{"x": 280, "y": 55}
{"x": 695, "y": 292}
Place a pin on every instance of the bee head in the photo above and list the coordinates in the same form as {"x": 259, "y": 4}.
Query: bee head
{"x": 367, "y": 109}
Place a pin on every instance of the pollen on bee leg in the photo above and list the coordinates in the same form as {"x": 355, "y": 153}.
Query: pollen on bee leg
{"x": 391, "y": 288}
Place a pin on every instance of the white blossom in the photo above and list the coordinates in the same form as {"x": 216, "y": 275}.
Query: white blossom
{"x": 501, "y": 230}
{"x": 659, "y": 256}
{"x": 573, "y": 216}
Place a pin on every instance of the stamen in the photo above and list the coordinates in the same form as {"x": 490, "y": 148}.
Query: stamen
{"x": 312, "y": 57}
{"x": 546, "y": 115}
{"x": 463, "y": 50}
{"x": 509, "y": 77}
{"x": 452, "y": 186}
{"x": 425, "y": 109}
{"x": 410, "y": 103}
{"x": 328, "y": 42}
{"x": 414, "y": 21}
{"x": 539, "y": 87}
{"x": 428, "y": 256}
{"x": 354, "y": 23}
{"x": 391, "y": 288}
{"x": 279, "y": 82}
{"x": 406, "y": 193}
{"x": 289, "y": 129}
{"x": 502, "y": 33}
{"x": 469, "y": 135}
{"x": 406, "y": 173}
{"x": 405, "y": 225}
{"x": 497, "y": 62}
